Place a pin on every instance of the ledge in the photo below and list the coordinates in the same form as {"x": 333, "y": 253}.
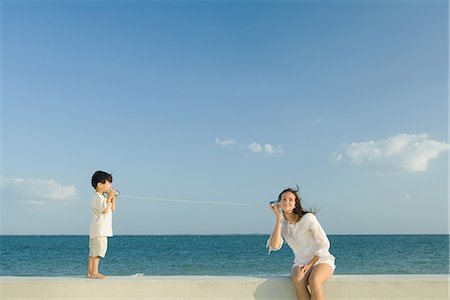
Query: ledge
{"x": 339, "y": 287}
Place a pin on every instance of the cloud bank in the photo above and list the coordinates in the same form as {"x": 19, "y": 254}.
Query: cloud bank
{"x": 225, "y": 142}
{"x": 36, "y": 191}
{"x": 403, "y": 152}
{"x": 266, "y": 148}
{"x": 253, "y": 147}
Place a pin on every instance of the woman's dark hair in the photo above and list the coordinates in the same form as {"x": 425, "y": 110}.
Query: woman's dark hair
{"x": 298, "y": 210}
{"x": 100, "y": 176}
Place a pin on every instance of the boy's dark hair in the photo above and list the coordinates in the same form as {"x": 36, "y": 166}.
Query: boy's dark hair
{"x": 100, "y": 176}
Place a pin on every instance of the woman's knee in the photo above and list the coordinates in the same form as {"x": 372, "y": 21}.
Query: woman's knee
{"x": 314, "y": 282}
{"x": 299, "y": 280}
{"x": 319, "y": 275}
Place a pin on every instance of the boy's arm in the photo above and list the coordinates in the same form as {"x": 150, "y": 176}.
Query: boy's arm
{"x": 108, "y": 203}
{"x": 113, "y": 204}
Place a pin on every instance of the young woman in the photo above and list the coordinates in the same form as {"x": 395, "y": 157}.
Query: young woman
{"x": 313, "y": 263}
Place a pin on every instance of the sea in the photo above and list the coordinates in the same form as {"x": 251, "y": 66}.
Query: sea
{"x": 218, "y": 255}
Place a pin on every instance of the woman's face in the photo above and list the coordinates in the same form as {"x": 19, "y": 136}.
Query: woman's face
{"x": 287, "y": 202}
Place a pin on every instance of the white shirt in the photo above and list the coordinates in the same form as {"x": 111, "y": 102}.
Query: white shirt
{"x": 306, "y": 239}
{"x": 101, "y": 224}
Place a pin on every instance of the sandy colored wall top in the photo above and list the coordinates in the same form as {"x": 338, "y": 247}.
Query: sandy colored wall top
{"x": 340, "y": 287}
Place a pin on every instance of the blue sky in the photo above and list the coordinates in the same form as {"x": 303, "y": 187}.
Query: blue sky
{"x": 225, "y": 101}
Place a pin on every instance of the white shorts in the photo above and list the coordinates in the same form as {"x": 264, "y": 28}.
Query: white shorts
{"x": 329, "y": 259}
{"x": 98, "y": 246}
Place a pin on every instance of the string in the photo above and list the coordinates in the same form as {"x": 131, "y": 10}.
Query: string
{"x": 184, "y": 201}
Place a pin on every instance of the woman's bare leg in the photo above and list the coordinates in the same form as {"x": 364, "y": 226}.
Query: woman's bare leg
{"x": 300, "y": 281}
{"x": 319, "y": 274}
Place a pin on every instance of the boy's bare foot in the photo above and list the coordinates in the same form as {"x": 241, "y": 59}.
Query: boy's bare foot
{"x": 98, "y": 276}
{"x": 88, "y": 275}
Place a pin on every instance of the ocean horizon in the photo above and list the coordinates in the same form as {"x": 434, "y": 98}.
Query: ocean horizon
{"x": 218, "y": 255}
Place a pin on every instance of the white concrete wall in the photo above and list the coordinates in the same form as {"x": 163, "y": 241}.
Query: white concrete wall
{"x": 340, "y": 287}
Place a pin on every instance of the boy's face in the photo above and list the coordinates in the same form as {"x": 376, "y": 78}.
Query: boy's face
{"x": 103, "y": 187}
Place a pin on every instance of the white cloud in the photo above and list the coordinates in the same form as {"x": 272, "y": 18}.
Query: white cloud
{"x": 403, "y": 152}
{"x": 267, "y": 148}
{"x": 36, "y": 191}
{"x": 337, "y": 156}
{"x": 317, "y": 121}
{"x": 255, "y": 147}
{"x": 224, "y": 143}
{"x": 408, "y": 198}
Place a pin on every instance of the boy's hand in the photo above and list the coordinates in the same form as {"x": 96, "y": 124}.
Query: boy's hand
{"x": 111, "y": 194}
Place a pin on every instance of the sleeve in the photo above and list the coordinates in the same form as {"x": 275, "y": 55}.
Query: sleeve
{"x": 273, "y": 249}
{"x": 323, "y": 244}
{"x": 268, "y": 247}
{"x": 98, "y": 204}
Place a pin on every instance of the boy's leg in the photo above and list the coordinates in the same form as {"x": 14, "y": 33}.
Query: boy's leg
{"x": 89, "y": 267}
{"x": 98, "y": 249}
{"x": 95, "y": 274}
{"x": 90, "y": 258}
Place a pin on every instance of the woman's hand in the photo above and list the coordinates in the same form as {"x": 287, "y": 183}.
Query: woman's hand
{"x": 305, "y": 269}
{"x": 308, "y": 267}
{"x": 276, "y": 210}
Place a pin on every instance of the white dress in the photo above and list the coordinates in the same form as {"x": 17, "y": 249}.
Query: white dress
{"x": 306, "y": 239}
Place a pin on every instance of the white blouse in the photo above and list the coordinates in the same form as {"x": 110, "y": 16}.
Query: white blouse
{"x": 306, "y": 239}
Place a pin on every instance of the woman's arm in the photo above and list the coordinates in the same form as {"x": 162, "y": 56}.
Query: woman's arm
{"x": 320, "y": 237}
{"x": 313, "y": 260}
{"x": 305, "y": 269}
{"x": 275, "y": 241}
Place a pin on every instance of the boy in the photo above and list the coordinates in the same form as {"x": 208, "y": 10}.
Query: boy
{"x": 101, "y": 225}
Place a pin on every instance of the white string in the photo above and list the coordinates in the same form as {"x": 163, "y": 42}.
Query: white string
{"x": 184, "y": 201}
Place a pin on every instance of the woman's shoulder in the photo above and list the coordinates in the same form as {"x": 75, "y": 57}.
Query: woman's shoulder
{"x": 309, "y": 217}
